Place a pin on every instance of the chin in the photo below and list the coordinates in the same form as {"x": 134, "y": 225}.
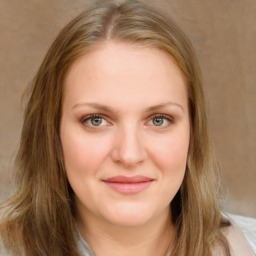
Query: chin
{"x": 129, "y": 215}
{"x": 126, "y": 220}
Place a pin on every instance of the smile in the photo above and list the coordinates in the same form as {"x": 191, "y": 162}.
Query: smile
{"x": 128, "y": 185}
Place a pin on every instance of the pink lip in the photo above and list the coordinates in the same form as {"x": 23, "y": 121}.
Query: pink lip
{"x": 129, "y": 185}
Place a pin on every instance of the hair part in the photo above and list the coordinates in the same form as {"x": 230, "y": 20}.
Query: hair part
{"x": 32, "y": 214}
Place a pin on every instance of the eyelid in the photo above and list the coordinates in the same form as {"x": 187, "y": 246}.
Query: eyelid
{"x": 160, "y": 115}
{"x": 167, "y": 116}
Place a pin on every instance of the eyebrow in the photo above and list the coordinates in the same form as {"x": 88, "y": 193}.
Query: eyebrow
{"x": 94, "y": 105}
{"x": 108, "y": 109}
{"x": 159, "y": 106}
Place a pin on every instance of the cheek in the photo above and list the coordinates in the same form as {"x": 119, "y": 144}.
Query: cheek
{"x": 83, "y": 154}
{"x": 172, "y": 162}
{"x": 170, "y": 153}
{"x": 170, "y": 156}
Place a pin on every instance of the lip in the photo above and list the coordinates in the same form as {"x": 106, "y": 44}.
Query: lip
{"x": 128, "y": 185}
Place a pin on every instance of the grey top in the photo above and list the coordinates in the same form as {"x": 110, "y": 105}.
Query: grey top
{"x": 238, "y": 243}
{"x": 83, "y": 247}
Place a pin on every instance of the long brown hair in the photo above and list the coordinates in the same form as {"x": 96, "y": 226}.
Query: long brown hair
{"x": 38, "y": 218}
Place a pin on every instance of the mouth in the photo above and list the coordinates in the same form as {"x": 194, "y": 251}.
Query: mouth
{"x": 128, "y": 185}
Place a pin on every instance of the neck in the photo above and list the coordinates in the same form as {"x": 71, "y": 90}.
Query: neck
{"x": 152, "y": 238}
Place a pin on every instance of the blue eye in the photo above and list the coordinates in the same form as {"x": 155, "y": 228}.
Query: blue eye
{"x": 94, "y": 120}
{"x": 161, "y": 120}
{"x": 158, "y": 121}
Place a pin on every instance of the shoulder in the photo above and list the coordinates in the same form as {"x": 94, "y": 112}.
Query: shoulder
{"x": 235, "y": 234}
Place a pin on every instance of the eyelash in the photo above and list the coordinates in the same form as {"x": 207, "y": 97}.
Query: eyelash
{"x": 161, "y": 116}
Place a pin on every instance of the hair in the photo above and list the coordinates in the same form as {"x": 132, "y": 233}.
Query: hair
{"x": 38, "y": 218}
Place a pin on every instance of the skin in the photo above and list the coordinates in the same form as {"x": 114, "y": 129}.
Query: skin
{"x": 127, "y": 85}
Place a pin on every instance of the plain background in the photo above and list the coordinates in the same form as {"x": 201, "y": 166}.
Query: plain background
{"x": 223, "y": 33}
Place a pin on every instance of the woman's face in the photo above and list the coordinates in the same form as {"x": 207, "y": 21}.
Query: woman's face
{"x": 125, "y": 133}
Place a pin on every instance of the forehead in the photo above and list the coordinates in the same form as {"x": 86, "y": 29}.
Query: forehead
{"x": 125, "y": 70}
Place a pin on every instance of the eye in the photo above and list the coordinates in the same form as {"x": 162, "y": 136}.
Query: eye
{"x": 161, "y": 120}
{"x": 94, "y": 120}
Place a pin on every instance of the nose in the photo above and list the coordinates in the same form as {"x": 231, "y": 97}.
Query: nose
{"x": 129, "y": 149}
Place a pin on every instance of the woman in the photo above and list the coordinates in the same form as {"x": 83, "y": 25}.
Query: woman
{"x": 114, "y": 156}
